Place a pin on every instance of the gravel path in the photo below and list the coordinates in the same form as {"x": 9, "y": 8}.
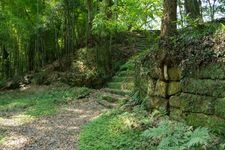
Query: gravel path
{"x": 58, "y": 132}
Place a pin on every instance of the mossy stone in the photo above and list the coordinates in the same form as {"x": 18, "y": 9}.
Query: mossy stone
{"x": 158, "y": 103}
{"x": 176, "y": 114}
{"x": 174, "y": 73}
{"x": 175, "y": 101}
{"x": 161, "y": 88}
{"x": 173, "y": 88}
{"x": 220, "y": 108}
{"x": 141, "y": 84}
{"x": 197, "y": 103}
{"x": 151, "y": 87}
{"x": 215, "y": 88}
{"x": 211, "y": 71}
{"x": 215, "y": 123}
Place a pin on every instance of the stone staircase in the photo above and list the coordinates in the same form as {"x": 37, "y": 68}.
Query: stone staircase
{"x": 119, "y": 89}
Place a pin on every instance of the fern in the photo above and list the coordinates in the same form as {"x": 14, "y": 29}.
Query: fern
{"x": 200, "y": 136}
{"x": 171, "y": 135}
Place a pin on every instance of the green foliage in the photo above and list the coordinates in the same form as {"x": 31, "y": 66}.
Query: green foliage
{"x": 139, "y": 130}
{"x": 115, "y": 130}
{"x": 39, "y": 102}
{"x": 169, "y": 135}
{"x": 127, "y": 15}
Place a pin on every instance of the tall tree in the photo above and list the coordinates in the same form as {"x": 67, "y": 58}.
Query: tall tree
{"x": 169, "y": 25}
{"x": 89, "y": 5}
{"x": 168, "y": 29}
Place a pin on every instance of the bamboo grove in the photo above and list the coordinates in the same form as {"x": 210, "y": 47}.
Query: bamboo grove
{"x": 34, "y": 33}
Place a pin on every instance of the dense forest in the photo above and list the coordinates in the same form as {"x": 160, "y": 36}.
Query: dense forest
{"x": 112, "y": 74}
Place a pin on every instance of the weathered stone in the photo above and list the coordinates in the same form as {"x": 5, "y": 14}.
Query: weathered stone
{"x": 158, "y": 103}
{"x": 211, "y": 71}
{"x": 193, "y": 103}
{"x": 197, "y": 104}
{"x": 215, "y": 88}
{"x": 151, "y": 87}
{"x": 176, "y": 114}
{"x": 220, "y": 108}
{"x": 214, "y": 123}
{"x": 175, "y": 101}
{"x": 173, "y": 88}
{"x": 174, "y": 73}
{"x": 161, "y": 89}
{"x": 159, "y": 73}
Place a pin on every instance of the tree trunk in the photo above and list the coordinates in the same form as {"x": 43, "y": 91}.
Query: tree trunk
{"x": 169, "y": 26}
{"x": 168, "y": 29}
{"x": 89, "y": 23}
{"x": 193, "y": 10}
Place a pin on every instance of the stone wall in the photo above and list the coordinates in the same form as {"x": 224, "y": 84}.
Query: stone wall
{"x": 197, "y": 98}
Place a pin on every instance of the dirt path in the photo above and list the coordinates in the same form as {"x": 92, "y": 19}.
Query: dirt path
{"x": 58, "y": 132}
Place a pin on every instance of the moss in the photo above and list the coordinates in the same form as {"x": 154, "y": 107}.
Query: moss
{"x": 173, "y": 88}
{"x": 175, "y": 101}
{"x": 210, "y": 71}
{"x": 120, "y": 79}
{"x": 141, "y": 84}
{"x": 214, "y": 88}
{"x": 158, "y": 103}
{"x": 113, "y": 131}
{"x": 126, "y": 73}
{"x": 174, "y": 73}
{"x": 220, "y": 108}
{"x": 197, "y": 104}
{"x": 151, "y": 87}
{"x": 215, "y": 123}
{"x": 161, "y": 89}
{"x": 176, "y": 114}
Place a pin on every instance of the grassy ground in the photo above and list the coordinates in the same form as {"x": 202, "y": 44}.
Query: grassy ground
{"x": 113, "y": 130}
{"x": 24, "y": 106}
{"x": 39, "y": 101}
{"x": 139, "y": 130}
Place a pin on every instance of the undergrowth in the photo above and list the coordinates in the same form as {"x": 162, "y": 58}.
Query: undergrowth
{"x": 2, "y": 135}
{"x": 138, "y": 130}
{"x": 38, "y": 102}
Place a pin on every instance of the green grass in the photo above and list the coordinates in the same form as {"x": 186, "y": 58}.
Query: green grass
{"x": 120, "y": 130}
{"x": 115, "y": 130}
{"x": 39, "y": 102}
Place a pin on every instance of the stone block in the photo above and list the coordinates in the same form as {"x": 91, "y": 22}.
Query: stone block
{"x": 176, "y": 114}
{"x": 197, "y": 103}
{"x": 174, "y": 73}
{"x": 173, "y": 88}
{"x": 215, "y": 88}
{"x": 175, "y": 101}
{"x": 161, "y": 89}
{"x": 220, "y": 107}
{"x": 151, "y": 87}
{"x": 158, "y": 103}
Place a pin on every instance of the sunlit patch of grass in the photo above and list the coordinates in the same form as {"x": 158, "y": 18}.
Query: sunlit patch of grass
{"x": 117, "y": 130}
{"x": 40, "y": 102}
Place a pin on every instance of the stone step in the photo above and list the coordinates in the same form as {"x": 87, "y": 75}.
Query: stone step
{"x": 121, "y": 79}
{"x": 107, "y": 104}
{"x": 113, "y": 98}
{"x": 118, "y": 92}
{"x": 127, "y": 67}
{"x": 125, "y": 73}
{"x": 121, "y": 85}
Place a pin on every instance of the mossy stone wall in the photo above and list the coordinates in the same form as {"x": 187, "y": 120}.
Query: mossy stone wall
{"x": 197, "y": 97}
